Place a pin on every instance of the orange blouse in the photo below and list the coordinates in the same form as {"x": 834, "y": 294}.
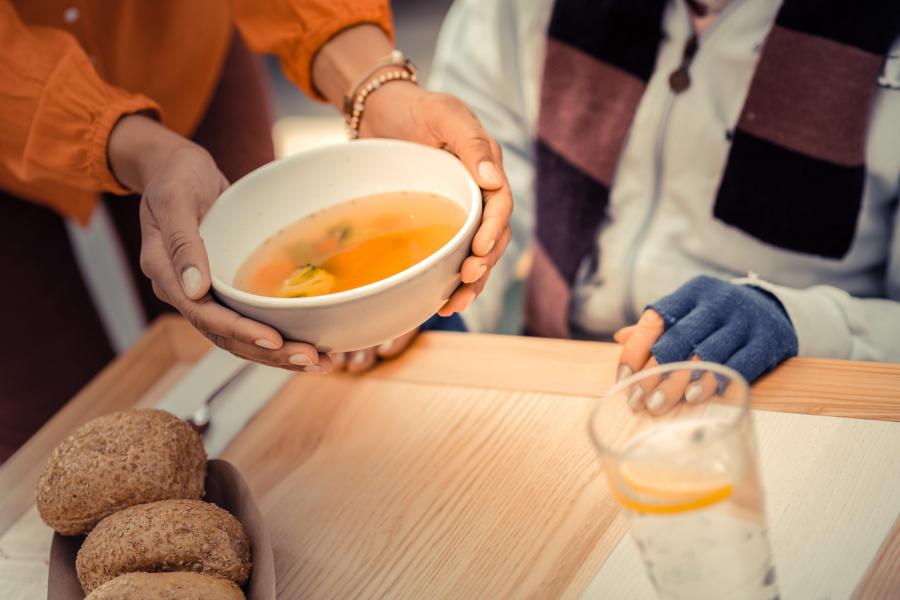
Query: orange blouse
{"x": 69, "y": 70}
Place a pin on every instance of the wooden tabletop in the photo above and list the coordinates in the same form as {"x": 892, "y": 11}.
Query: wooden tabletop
{"x": 460, "y": 470}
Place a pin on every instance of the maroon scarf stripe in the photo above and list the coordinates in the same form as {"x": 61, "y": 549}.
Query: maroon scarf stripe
{"x": 547, "y": 297}
{"x": 571, "y": 107}
{"x": 811, "y": 95}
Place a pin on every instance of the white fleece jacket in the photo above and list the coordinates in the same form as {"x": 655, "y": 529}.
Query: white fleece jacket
{"x": 661, "y": 231}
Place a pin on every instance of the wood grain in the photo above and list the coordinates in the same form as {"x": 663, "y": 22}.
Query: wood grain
{"x": 24, "y": 551}
{"x": 882, "y": 580}
{"x": 427, "y": 491}
{"x": 458, "y": 470}
{"x": 818, "y": 386}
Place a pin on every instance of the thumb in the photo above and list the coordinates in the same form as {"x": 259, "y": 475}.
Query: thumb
{"x": 462, "y": 133}
{"x": 180, "y": 228}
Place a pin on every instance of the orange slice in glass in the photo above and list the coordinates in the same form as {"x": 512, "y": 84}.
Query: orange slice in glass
{"x": 654, "y": 488}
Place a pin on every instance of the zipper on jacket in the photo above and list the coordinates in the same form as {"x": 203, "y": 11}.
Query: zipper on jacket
{"x": 679, "y": 80}
{"x": 640, "y": 238}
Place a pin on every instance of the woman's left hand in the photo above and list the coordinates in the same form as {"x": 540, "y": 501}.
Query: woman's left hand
{"x": 740, "y": 326}
{"x": 363, "y": 360}
{"x": 405, "y": 111}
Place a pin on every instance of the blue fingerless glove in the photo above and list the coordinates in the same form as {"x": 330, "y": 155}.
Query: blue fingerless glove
{"x": 740, "y": 326}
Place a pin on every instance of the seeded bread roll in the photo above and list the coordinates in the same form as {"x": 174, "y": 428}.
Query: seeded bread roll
{"x": 169, "y": 535}
{"x": 167, "y": 586}
{"x": 119, "y": 460}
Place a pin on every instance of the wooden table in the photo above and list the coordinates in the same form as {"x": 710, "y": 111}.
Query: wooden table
{"x": 461, "y": 470}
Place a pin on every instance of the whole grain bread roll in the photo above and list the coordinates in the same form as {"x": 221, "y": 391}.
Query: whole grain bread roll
{"x": 169, "y": 535}
{"x": 167, "y": 586}
{"x": 119, "y": 460}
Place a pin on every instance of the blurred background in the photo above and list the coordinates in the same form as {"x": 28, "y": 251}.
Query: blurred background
{"x": 302, "y": 123}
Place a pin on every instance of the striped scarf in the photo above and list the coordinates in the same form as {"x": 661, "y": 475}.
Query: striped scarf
{"x": 797, "y": 152}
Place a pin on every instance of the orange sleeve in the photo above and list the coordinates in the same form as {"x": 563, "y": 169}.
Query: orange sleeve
{"x": 294, "y": 30}
{"x": 56, "y": 113}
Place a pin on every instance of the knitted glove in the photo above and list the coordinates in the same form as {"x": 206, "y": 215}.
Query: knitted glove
{"x": 740, "y": 326}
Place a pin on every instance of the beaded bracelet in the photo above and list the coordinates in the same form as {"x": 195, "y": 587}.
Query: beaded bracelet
{"x": 355, "y": 103}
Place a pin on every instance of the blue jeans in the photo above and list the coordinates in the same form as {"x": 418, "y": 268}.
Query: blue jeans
{"x": 452, "y": 323}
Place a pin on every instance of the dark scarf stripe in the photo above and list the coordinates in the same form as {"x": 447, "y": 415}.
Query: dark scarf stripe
{"x": 566, "y": 226}
{"x": 795, "y": 173}
{"x": 789, "y": 199}
{"x": 870, "y": 25}
{"x": 622, "y": 33}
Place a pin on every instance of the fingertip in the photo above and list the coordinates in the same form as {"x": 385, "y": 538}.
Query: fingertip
{"x": 484, "y": 241}
{"x": 267, "y": 344}
{"x": 326, "y": 363}
{"x": 488, "y": 175}
{"x": 656, "y": 401}
{"x": 694, "y": 393}
{"x": 301, "y": 354}
{"x": 650, "y": 319}
{"x": 472, "y": 271}
{"x": 260, "y": 334}
{"x": 193, "y": 283}
{"x": 446, "y": 308}
{"x": 301, "y": 359}
{"x": 360, "y": 360}
{"x": 338, "y": 360}
{"x": 384, "y": 350}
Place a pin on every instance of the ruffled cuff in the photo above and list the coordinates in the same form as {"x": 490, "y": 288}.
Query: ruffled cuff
{"x": 298, "y": 63}
{"x": 122, "y": 104}
{"x": 69, "y": 132}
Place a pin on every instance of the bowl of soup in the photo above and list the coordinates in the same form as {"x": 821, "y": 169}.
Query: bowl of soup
{"x": 344, "y": 246}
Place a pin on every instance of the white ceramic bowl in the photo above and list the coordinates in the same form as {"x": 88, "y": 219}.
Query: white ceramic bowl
{"x": 280, "y": 193}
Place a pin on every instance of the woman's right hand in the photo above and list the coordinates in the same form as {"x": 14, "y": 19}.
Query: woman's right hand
{"x": 179, "y": 182}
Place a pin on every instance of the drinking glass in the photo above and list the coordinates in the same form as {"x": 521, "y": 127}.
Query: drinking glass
{"x": 688, "y": 481}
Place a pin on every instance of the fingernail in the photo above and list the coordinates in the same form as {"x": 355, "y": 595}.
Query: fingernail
{"x": 488, "y": 173}
{"x": 267, "y": 344}
{"x": 656, "y": 400}
{"x": 190, "y": 281}
{"x": 624, "y": 373}
{"x": 300, "y": 359}
{"x": 385, "y": 347}
{"x": 314, "y": 369}
{"x": 358, "y": 358}
{"x": 480, "y": 273}
{"x": 634, "y": 401}
{"x": 692, "y": 393}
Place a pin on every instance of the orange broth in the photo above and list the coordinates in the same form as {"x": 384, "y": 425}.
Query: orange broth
{"x": 351, "y": 244}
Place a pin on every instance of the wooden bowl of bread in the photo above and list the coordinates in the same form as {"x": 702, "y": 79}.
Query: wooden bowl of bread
{"x": 160, "y": 521}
